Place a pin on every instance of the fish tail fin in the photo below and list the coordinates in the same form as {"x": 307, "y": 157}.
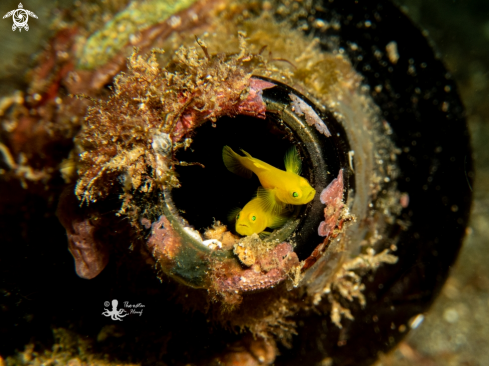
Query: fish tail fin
{"x": 232, "y": 214}
{"x": 293, "y": 163}
{"x": 268, "y": 201}
{"x": 233, "y": 164}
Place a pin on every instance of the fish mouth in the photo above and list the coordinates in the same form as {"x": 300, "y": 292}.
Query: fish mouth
{"x": 244, "y": 226}
{"x": 245, "y": 229}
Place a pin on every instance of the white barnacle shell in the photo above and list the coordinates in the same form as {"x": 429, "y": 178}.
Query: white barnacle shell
{"x": 162, "y": 143}
{"x": 162, "y": 146}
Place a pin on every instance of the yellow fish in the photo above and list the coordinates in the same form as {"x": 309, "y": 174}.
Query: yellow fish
{"x": 257, "y": 215}
{"x": 287, "y": 185}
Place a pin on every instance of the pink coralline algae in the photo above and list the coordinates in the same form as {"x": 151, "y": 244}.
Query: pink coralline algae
{"x": 164, "y": 243}
{"x": 332, "y": 197}
{"x": 253, "y": 105}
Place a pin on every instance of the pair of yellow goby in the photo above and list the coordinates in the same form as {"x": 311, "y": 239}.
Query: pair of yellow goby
{"x": 279, "y": 188}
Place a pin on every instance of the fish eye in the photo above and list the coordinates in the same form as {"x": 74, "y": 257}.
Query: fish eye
{"x": 253, "y": 218}
{"x": 237, "y": 217}
{"x": 295, "y": 194}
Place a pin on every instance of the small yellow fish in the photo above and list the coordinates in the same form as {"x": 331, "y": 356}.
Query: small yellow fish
{"x": 288, "y": 186}
{"x": 257, "y": 215}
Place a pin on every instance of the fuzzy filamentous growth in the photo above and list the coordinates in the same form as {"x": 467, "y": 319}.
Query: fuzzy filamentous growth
{"x": 130, "y": 139}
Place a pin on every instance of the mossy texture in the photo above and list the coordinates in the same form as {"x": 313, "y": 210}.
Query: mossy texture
{"x": 106, "y": 42}
{"x": 152, "y": 106}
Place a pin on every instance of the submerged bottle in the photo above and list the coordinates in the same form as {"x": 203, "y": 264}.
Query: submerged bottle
{"x": 378, "y": 126}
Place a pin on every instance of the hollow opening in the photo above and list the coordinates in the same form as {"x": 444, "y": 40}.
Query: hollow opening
{"x": 213, "y": 192}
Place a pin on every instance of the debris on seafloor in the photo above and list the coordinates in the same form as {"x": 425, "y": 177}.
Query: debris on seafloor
{"x": 332, "y": 197}
{"x": 301, "y": 108}
{"x": 348, "y": 284}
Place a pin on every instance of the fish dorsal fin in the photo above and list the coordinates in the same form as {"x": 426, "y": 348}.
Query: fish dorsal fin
{"x": 268, "y": 202}
{"x": 293, "y": 162}
{"x": 256, "y": 162}
{"x": 246, "y": 154}
{"x": 233, "y": 164}
{"x": 233, "y": 213}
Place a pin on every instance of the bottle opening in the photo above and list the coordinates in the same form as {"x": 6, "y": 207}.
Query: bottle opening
{"x": 211, "y": 193}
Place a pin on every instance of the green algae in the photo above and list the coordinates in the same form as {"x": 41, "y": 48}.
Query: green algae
{"x": 104, "y": 44}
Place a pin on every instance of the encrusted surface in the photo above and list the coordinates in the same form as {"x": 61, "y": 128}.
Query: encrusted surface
{"x": 332, "y": 197}
{"x": 117, "y": 136}
{"x": 164, "y": 243}
{"x": 128, "y": 141}
{"x": 267, "y": 271}
{"x": 125, "y": 26}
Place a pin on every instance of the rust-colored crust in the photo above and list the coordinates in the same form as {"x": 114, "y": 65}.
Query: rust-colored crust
{"x": 90, "y": 260}
{"x": 88, "y": 248}
{"x": 164, "y": 243}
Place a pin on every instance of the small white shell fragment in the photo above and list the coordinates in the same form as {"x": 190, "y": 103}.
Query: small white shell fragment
{"x": 351, "y": 154}
{"x": 193, "y": 233}
{"x": 212, "y": 244}
{"x": 392, "y": 53}
{"x": 302, "y": 108}
{"x": 162, "y": 143}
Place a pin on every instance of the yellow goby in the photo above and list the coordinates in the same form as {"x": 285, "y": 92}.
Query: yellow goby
{"x": 257, "y": 215}
{"x": 287, "y": 185}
